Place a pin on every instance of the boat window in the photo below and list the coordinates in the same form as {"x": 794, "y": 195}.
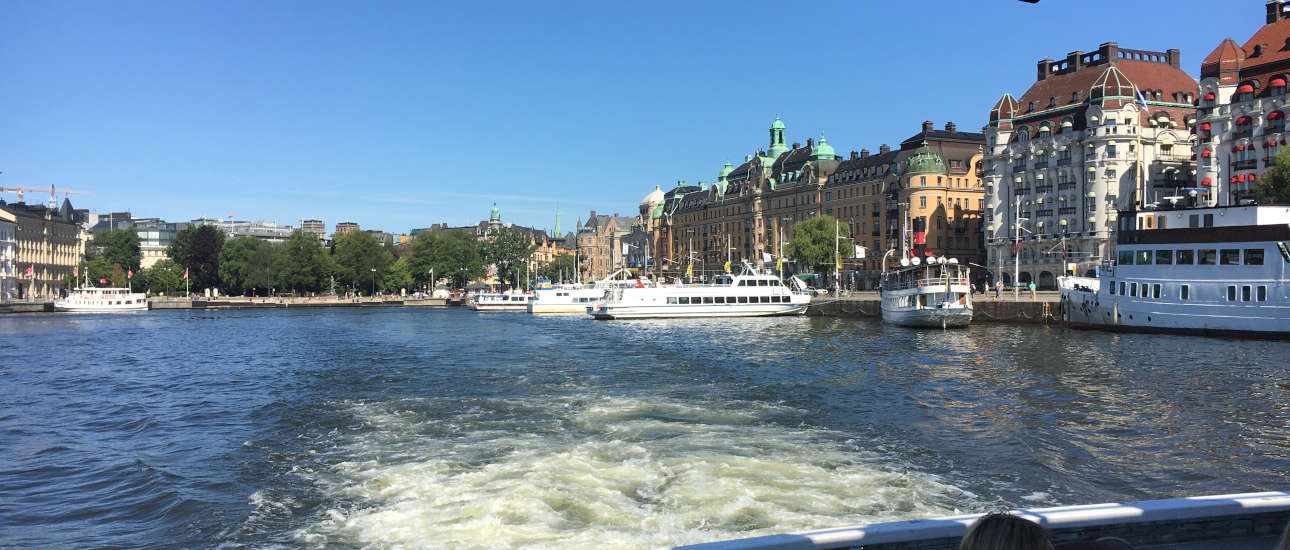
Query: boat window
{"x": 707, "y": 299}
{"x": 743, "y": 283}
{"x": 765, "y": 299}
{"x": 720, "y": 299}
{"x": 1143, "y": 257}
{"x": 1155, "y": 290}
{"x": 1231, "y": 293}
{"x": 1113, "y": 288}
{"x": 1254, "y": 256}
{"x": 684, "y": 299}
{"x": 1209, "y": 220}
{"x": 1125, "y": 257}
{"x": 1185, "y": 292}
{"x": 1245, "y": 293}
{"x": 671, "y": 299}
{"x": 1206, "y": 256}
{"x": 1229, "y": 256}
{"x": 1133, "y": 290}
{"x": 1193, "y": 220}
{"x": 1263, "y": 293}
{"x": 1185, "y": 257}
{"x": 1165, "y": 257}
{"x": 743, "y": 299}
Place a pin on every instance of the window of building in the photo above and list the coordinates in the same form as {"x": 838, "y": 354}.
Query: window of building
{"x": 1110, "y": 150}
{"x": 922, "y": 181}
{"x": 922, "y": 202}
{"x": 1074, "y": 97}
{"x": 1030, "y": 106}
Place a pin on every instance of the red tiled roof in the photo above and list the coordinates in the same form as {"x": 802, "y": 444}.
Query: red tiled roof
{"x": 1145, "y": 74}
{"x": 1226, "y": 57}
{"x": 1273, "y": 37}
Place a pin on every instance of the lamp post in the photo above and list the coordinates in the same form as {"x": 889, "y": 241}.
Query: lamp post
{"x": 373, "y": 270}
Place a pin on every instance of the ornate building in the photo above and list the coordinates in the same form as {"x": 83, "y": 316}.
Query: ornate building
{"x": 599, "y": 244}
{"x": 50, "y": 242}
{"x": 1242, "y": 108}
{"x": 1076, "y": 148}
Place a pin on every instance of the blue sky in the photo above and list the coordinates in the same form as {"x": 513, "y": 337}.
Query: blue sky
{"x": 402, "y": 114}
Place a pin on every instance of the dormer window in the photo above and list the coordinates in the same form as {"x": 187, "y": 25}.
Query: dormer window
{"x": 1074, "y": 97}
{"x": 1044, "y": 130}
{"x": 1052, "y": 102}
{"x": 1277, "y": 86}
{"x": 1030, "y": 106}
{"x": 1245, "y": 92}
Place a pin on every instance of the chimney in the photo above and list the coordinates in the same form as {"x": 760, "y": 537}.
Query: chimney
{"x": 1042, "y": 68}
{"x": 928, "y": 126}
{"x": 854, "y": 155}
{"x": 884, "y": 149}
{"x": 950, "y": 127}
{"x": 593, "y": 213}
{"x": 1171, "y": 57}
{"x": 1110, "y": 51}
{"x": 810, "y": 143}
{"x": 1275, "y": 11}
{"x": 864, "y": 153}
{"x": 796, "y": 145}
{"x": 615, "y": 214}
{"x": 1073, "y": 60}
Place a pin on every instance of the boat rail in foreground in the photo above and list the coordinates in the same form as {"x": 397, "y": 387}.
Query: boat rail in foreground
{"x": 1250, "y": 520}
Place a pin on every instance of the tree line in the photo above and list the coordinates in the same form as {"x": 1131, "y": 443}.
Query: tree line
{"x": 355, "y": 262}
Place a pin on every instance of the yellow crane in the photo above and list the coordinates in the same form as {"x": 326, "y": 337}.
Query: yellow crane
{"x": 52, "y": 191}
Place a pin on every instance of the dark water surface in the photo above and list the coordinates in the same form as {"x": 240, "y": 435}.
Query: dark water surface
{"x": 447, "y": 428}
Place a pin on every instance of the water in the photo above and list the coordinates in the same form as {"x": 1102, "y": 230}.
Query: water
{"x": 405, "y": 428}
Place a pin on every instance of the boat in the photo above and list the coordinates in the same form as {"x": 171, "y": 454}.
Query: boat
{"x": 926, "y": 290}
{"x": 576, "y": 297}
{"x": 500, "y": 301}
{"x": 927, "y": 293}
{"x": 1216, "y": 271}
{"x": 102, "y": 300}
{"x": 1239, "y": 521}
{"x": 749, "y": 294}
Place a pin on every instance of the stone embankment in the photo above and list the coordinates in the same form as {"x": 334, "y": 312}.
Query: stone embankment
{"x": 271, "y": 303}
{"x": 26, "y": 307}
{"x": 1039, "y": 309}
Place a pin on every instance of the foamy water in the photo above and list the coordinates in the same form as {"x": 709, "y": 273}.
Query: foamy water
{"x": 619, "y": 473}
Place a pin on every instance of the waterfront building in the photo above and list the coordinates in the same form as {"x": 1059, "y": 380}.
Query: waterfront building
{"x": 50, "y": 242}
{"x": 545, "y": 246}
{"x": 599, "y": 244}
{"x": 155, "y": 236}
{"x": 261, "y": 229}
{"x": 345, "y": 227}
{"x": 8, "y": 255}
{"x": 315, "y": 227}
{"x": 1242, "y": 108}
{"x": 1078, "y": 147}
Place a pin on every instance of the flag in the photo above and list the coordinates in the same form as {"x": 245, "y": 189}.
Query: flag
{"x": 779, "y": 264}
{"x": 838, "y": 257}
{"x": 765, "y": 257}
{"x": 1142, "y": 100}
{"x": 727, "y": 266}
{"x": 76, "y": 272}
{"x": 625, "y": 248}
{"x": 31, "y": 272}
{"x": 102, "y": 281}
{"x": 859, "y": 252}
{"x": 689, "y": 270}
{"x": 129, "y": 273}
{"x": 185, "y": 274}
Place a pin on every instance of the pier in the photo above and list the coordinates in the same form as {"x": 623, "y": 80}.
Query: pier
{"x": 1042, "y": 309}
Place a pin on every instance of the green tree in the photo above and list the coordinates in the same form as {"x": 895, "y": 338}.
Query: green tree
{"x": 197, "y": 249}
{"x": 455, "y": 255}
{"x": 302, "y": 264}
{"x": 164, "y": 277}
{"x": 398, "y": 277}
{"x": 562, "y": 268}
{"x": 1274, "y": 187}
{"x": 510, "y": 250}
{"x": 98, "y": 269}
{"x": 813, "y": 242}
{"x": 118, "y": 246}
{"x": 361, "y": 260}
{"x": 246, "y": 263}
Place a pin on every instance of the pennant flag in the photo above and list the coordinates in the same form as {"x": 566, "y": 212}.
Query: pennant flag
{"x": 689, "y": 270}
{"x": 185, "y": 273}
{"x": 727, "y": 266}
{"x": 625, "y": 248}
{"x": 129, "y": 274}
{"x": 1142, "y": 100}
{"x": 76, "y": 272}
{"x": 102, "y": 281}
{"x": 779, "y": 264}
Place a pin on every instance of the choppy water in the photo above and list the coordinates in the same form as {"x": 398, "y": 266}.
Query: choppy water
{"x": 405, "y": 428}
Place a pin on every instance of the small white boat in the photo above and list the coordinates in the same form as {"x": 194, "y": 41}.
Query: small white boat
{"x": 930, "y": 293}
{"x": 500, "y": 301}
{"x": 576, "y": 298}
{"x": 750, "y": 294}
{"x": 102, "y": 300}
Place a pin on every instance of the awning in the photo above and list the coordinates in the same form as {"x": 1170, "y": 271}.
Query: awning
{"x": 1245, "y": 89}
{"x": 1253, "y": 177}
{"x": 1240, "y": 177}
{"x": 1207, "y": 182}
{"x": 1277, "y": 82}
{"x": 1206, "y": 153}
{"x": 1243, "y": 120}
{"x": 1209, "y": 96}
{"x": 1204, "y": 126}
{"x": 1276, "y": 115}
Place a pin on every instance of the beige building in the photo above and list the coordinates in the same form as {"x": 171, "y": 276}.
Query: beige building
{"x": 600, "y": 240}
{"x": 8, "y": 253}
{"x": 50, "y": 243}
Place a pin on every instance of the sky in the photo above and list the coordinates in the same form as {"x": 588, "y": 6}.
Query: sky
{"x": 397, "y": 115}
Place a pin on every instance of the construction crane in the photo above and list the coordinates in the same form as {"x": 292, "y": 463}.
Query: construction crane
{"x": 52, "y": 192}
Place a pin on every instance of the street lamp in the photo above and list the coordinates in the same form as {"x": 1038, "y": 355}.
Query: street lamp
{"x": 373, "y": 270}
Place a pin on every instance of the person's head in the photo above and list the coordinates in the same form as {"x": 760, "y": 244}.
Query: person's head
{"x": 1002, "y": 531}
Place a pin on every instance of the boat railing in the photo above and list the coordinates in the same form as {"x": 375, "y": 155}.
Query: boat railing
{"x": 928, "y": 282}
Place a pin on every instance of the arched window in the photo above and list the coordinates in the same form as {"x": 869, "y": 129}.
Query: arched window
{"x": 1277, "y": 86}
{"x": 1023, "y": 133}
{"x": 1243, "y": 126}
{"x": 1045, "y": 130}
{"x": 1245, "y": 92}
{"x": 1067, "y": 123}
{"x": 1276, "y": 121}
{"x": 1203, "y": 131}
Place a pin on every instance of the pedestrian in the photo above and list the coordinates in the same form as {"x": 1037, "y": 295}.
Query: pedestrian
{"x": 998, "y": 288}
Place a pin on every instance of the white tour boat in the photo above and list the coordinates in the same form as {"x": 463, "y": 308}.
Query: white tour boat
{"x": 102, "y": 300}
{"x": 927, "y": 293}
{"x": 576, "y": 298}
{"x": 750, "y": 294}
{"x": 1213, "y": 271}
{"x": 500, "y": 301}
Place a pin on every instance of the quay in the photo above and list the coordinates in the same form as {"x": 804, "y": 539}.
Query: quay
{"x": 1041, "y": 309}
{"x": 307, "y": 302}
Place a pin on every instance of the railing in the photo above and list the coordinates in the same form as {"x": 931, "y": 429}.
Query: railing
{"x": 1063, "y": 161}
{"x": 1065, "y": 186}
{"x": 931, "y": 282}
{"x": 1247, "y": 164}
{"x": 1043, "y": 188}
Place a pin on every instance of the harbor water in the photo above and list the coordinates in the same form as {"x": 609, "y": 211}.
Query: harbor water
{"x": 418, "y": 427}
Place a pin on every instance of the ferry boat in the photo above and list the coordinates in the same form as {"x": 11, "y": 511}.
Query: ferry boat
{"x": 500, "y": 301}
{"x": 102, "y": 300}
{"x": 749, "y": 294}
{"x": 1211, "y": 271}
{"x": 927, "y": 293}
{"x": 576, "y": 298}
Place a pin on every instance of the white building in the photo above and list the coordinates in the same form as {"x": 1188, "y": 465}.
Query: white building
{"x": 8, "y": 255}
{"x": 1077, "y": 148}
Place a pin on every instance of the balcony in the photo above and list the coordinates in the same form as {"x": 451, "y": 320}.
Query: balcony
{"x": 1021, "y": 191}
{"x": 1247, "y": 164}
{"x": 1065, "y": 161}
{"x": 1066, "y": 186}
{"x": 1018, "y": 168}
{"x": 1043, "y": 188}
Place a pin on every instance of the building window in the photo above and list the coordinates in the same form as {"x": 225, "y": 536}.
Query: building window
{"x": 922, "y": 181}
{"x": 922, "y": 202}
{"x": 1074, "y": 97}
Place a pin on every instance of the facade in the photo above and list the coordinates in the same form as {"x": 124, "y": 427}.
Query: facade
{"x": 50, "y": 243}
{"x": 316, "y": 227}
{"x": 155, "y": 236}
{"x": 8, "y": 256}
{"x": 1078, "y": 147}
{"x": 545, "y": 249}
{"x": 599, "y": 244}
{"x": 749, "y": 212}
{"x": 345, "y": 227}
{"x": 1242, "y": 108}
{"x": 266, "y": 230}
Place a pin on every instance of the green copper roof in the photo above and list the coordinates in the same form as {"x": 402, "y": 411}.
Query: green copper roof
{"x": 495, "y": 215}
{"x": 924, "y": 160}
{"x": 658, "y": 211}
{"x": 725, "y": 171}
{"x": 778, "y": 124}
{"x": 823, "y": 150}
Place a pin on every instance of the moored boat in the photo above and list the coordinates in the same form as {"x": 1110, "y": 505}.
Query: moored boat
{"x": 927, "y": 293}
{"x": 749, "y": 294}
{"x": 576, "y": 298}
{"x": 102, "y": 300}
{"x": 500, "y": 301}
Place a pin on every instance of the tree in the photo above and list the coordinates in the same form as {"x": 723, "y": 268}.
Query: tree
{"x": 559, "y": 270}
{"x": 302, "y": 264}
{"x": 165, "y": 276}
{"x": 813, "y": 242}
{"x": 98, "y": 269}
{"x": 197, "y": 250}
{"x": 510, "y": 250}
{"x": 397, "y": 277}
{"x": 118, "y": 246}
{"x": 361, "y": 260}
{"x": 246, "y": 265}
{"x": 456, "y": 255}
{"x": 1275, "y": 185}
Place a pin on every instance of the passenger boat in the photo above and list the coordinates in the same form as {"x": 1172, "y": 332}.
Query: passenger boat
{"x": 1211, "y": 271}
{"x": 500, "y": 301}
{"x": 102, "y": 300}
{"x": 575, "y": 298}
{"x": 749, "y": 294}
{"x": 927, "y": 293}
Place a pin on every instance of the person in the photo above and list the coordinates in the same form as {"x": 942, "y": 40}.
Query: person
{"x": 998, "y": 287}
{"x": 1003, "y": 531}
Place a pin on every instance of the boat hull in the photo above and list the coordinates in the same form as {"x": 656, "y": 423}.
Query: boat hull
{"x": 928, "y": 317}
{"x": 499, "y": 307}
{"x": 536, "y": 308}
{"x": 1085, "y": 305}
{"x": 672, "y": 311}
{"x": 100, "y": 309}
